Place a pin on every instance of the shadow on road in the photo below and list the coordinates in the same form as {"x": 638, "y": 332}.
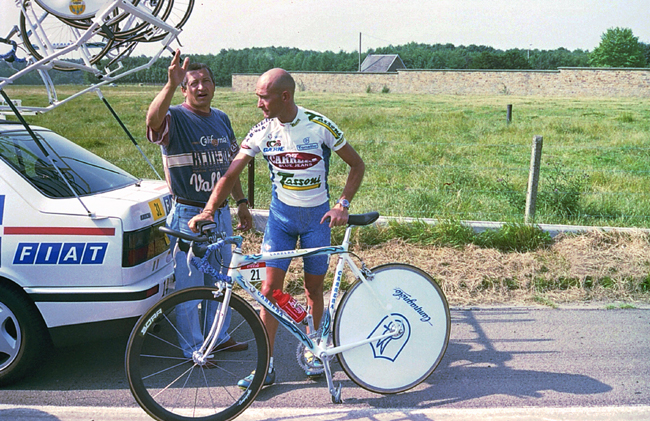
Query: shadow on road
{"x": 88, "y": 366}
{"x": 26, "y": 414}
{"x": 473, "y": 369}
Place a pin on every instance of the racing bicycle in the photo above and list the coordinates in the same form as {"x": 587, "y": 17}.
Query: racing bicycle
{"x": 389, "y": 331}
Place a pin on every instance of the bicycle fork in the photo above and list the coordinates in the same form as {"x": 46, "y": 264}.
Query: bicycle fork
{"x": 201, "y": 355}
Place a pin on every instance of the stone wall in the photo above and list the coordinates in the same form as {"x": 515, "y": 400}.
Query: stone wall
{"x": 597, "y": 82}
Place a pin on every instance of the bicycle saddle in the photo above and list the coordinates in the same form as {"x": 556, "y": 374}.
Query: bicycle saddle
{"x": 363, "y": 218}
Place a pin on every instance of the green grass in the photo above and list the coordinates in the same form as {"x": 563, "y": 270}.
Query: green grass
{"x": 620, "y": 306}
{"x": 452, "y": 233}
{"x": 448, "y": 157}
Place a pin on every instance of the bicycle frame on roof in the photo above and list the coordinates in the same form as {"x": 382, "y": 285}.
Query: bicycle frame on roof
{"x": 52, "y": 55}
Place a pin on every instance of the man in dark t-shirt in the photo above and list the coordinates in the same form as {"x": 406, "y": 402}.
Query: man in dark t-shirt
{"x": 198, "y": 144}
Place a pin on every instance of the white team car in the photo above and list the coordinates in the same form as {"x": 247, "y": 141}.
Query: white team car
{"x": 72, "y": 266}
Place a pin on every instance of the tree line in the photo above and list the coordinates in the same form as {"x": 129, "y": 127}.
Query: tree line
{"x": 618, "y": 48}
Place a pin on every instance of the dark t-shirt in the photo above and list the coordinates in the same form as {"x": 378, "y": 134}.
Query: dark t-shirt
{"x": 197, "y": 149}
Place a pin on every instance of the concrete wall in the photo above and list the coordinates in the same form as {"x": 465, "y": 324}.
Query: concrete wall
{"x": 597, "y": 82}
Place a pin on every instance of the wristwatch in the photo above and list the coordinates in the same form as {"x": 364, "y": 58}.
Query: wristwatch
{"x": 344, "y": 202}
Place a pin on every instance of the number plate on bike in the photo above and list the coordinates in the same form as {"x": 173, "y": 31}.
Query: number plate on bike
{"x": 254, "y": 272}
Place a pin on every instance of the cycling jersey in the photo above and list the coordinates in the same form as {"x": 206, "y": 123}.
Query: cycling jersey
{"x": 298, "y": 155}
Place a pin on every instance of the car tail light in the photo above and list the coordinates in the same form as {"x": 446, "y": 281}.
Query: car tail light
{"x": 143, "y": 244}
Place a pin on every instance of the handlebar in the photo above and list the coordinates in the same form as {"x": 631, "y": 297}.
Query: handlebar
{"x": 187, "y": 237}
{"x": 201, "y": 242}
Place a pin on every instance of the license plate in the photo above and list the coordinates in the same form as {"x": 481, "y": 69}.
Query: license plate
{"x": 254, "y": 272}
{"x": 157, "y": 209}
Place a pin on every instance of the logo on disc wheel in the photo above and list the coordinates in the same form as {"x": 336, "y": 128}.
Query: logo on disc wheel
{"x": 390, "y": 347}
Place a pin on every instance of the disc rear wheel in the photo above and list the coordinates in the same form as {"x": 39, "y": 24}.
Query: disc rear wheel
{"x": 414, "y": 307}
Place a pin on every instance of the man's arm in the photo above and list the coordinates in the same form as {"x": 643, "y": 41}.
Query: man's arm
{"x": 338, "y": 214}
{"x": 160, "y": 104}
{"x": 244, "y": 215}
{"x": 222, "y": 189}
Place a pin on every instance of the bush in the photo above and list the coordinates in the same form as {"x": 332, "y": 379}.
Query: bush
{"x": 515, "y": 237}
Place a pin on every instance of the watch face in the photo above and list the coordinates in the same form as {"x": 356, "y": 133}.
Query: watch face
{"x": 345, "y": 203}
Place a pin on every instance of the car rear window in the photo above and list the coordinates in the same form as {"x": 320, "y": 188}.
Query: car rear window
{"x": 86, "y": 172}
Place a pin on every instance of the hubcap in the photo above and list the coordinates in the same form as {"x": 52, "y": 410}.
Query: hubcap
{"x": 9, "y": 336}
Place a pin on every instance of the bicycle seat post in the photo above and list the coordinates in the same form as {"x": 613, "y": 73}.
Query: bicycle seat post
{"x": 346, "y": 237}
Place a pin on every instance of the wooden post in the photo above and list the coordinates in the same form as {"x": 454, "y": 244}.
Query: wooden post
{"x": 509, "y": 113}
{"x": 251, "y": 184}
{"x": 533, "y": 178}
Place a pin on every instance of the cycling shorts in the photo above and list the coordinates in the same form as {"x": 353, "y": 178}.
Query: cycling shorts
{"x": 287, "y": 224}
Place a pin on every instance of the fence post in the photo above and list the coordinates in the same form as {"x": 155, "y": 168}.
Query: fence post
{"x": 508, "y": 113}
{"x": 251, "y": 183}
{"x": 533, "y": 178}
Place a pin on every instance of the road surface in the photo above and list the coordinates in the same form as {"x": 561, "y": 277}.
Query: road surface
{"x": 502, "y": 363}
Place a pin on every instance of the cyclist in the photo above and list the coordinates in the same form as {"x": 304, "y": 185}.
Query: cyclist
{"x": 197, "y": 143}
{"x": 297, "y": 143}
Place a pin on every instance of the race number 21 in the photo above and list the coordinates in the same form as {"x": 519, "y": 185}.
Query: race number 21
{"x": 254, "y": 272}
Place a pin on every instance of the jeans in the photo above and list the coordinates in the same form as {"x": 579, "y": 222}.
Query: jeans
{"x": 192, "y": 326}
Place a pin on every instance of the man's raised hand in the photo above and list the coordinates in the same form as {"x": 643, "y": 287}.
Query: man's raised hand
{"x": 176, "y": 72}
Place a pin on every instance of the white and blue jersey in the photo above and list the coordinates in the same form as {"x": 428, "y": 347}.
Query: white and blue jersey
{"x": 298, "y": 155}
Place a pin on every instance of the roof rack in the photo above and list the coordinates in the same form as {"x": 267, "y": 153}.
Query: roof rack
{"x": 50, "y": 38}
{"x": 54, "y": 35}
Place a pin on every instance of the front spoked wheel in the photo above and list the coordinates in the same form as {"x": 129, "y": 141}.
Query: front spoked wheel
{"x": 412, "y": 301}
{"x": 171, "y": 386}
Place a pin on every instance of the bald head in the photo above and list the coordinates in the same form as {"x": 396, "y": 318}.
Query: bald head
{"x": 275, "y": 91}
{"x": 278, "y": 80}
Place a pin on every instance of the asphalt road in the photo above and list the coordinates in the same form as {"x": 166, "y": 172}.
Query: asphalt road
{"x": 501, "y": 363}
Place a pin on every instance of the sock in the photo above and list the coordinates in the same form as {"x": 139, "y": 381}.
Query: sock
{"x": 271, "y": 364}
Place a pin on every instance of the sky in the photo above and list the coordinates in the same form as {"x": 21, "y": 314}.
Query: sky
{"x": 336, "y": 25}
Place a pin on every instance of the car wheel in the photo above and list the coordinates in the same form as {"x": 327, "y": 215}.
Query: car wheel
{"x": 23, "y": 335}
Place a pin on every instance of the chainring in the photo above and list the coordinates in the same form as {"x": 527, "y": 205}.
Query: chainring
{"x": 300, "y": 353}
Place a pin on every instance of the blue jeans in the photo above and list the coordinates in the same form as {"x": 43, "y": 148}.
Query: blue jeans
{"x": 191, "y": 327}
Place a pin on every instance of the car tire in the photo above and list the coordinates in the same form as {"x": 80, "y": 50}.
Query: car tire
{"x": 23, "y": 335}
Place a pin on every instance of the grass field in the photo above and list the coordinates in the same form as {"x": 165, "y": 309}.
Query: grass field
{"x": 430, "y": 156}
{"x": 452, "y": 158}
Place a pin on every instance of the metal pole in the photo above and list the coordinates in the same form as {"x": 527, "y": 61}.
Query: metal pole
{"x": 128, "y": 133}
{"x": 533, "y": 178}
{"x": 509, "y": 113}
{"x": 359, "y": 51}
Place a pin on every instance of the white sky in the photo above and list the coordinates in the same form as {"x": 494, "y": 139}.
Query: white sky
{"x": 335, "y": 24}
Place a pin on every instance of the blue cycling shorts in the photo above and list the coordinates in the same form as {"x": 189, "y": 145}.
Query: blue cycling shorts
{"x": 287, "y": 224}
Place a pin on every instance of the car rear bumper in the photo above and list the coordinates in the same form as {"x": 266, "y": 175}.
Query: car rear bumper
{"x": 63, "y": 306}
